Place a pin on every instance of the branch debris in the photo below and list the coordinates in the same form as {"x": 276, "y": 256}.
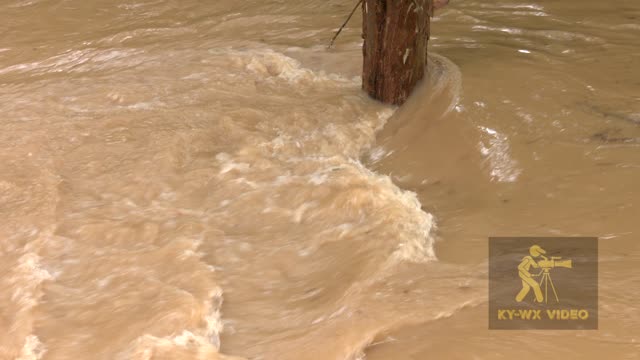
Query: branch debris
{"x": 345, "y": 24}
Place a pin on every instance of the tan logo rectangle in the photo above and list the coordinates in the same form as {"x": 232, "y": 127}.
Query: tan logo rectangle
{"x": 543, "y": 283}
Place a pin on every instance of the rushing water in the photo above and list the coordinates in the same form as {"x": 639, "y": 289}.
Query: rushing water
{"x": 202, "y": 180}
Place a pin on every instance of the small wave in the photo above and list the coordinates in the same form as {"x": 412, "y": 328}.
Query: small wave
{"x": 386, "y": 334}
{"x": 194, "y": 343}
{"x": 23, "y": 283}
{"x": 78, "y": 61}
{"x": 270, "y": 64}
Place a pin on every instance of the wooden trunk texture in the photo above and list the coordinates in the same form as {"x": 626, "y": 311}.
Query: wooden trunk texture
{"x": 395, "y": 35}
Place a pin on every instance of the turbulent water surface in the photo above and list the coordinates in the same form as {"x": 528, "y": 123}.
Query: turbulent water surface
{"x": 203, "y": 180}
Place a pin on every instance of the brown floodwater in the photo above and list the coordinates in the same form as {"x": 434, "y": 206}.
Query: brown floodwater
{"x": 205, "y": 180}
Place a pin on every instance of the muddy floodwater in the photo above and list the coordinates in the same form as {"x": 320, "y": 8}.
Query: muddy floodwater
{"x": 205, "y": 180}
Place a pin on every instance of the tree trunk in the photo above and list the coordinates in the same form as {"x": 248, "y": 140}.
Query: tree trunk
{"x": 395, "y": 36}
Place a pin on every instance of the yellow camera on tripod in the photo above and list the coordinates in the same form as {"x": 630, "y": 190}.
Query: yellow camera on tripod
{"x": 555, "y": 261}
{"x": 546, "y": 265}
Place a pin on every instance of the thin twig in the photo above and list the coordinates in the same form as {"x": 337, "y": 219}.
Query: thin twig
{"x": 343, "y": 25}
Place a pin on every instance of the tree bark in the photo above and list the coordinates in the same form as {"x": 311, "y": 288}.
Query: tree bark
{"x": 395, "y": 36}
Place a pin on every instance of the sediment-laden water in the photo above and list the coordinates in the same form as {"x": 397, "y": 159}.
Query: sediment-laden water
{"x": 204, "y": 180}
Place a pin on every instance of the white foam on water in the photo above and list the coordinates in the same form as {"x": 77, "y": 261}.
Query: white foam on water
{"x": 193, "y": 343}
{"x": 318, "y": 177}
{"x": 147, "y": 347}
{"x": 378, "y": 153}
{"x": 416, "y": 242}
{"x": 23, "y": 283}
{"x": 32, "y": 349}
{"x": 299, "y": 212}
{"x": 497, "y": 151}
{"x": 229, "y": 166}
{"x": 26, "y": 280}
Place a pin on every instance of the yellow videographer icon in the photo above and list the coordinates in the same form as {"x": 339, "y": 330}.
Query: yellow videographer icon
{"x": 545, "y": 264}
